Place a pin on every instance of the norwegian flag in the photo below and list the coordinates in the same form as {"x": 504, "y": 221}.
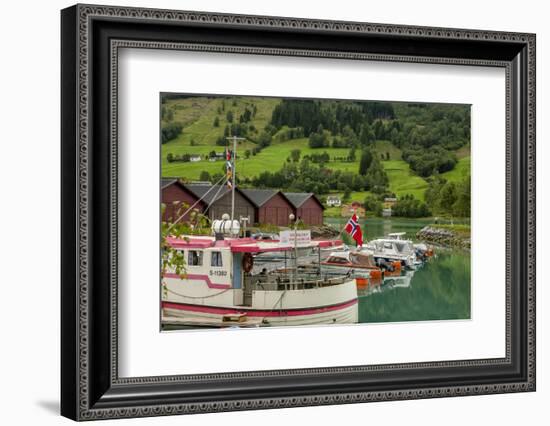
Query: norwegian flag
{"x": 353, "y": 228}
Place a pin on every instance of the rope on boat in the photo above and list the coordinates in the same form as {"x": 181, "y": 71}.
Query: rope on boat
{"x": 197, "y": 297}
{"x": 215, "y": 197}
{"x": 197, "y": 202}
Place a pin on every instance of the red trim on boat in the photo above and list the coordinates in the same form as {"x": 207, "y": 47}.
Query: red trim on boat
{"x": 328, "y": 243}
{"x": 257, "y": 312}
{"x": 192, "y": 243}
{"x": 243, "y": 245}
{"x": 258, "y": 249}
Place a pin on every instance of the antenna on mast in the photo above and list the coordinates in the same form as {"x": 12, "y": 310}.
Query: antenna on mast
{"x": 231, "y": 175}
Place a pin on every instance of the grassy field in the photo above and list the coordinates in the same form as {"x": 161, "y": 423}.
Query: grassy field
{"x": 403, "y": 180}
{"x": 461, "y": 170}
{"x": 199, "y": 137}
{"x": 271, "y": 158}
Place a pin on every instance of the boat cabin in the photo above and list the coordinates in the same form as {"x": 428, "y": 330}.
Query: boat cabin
{"x": 228, "y": 264}
{"x": 391, "y": 246}
{"x": 397, "y": 235}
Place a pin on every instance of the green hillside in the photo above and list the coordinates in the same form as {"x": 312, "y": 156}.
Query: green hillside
{"x": 204, "y": 121}
{"x": 403, "y": 180}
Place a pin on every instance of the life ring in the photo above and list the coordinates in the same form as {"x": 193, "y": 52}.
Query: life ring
{"x": 248, "y": 262}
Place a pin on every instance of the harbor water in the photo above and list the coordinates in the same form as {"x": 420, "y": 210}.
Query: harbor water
{"x": 438, "y": 290}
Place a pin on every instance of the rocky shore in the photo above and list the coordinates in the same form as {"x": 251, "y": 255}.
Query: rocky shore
{"x": 324, "y": 231}
{"x": 444, "y": 237}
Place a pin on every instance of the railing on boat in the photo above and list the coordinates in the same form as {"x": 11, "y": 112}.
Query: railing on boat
{"x": 286, "y": 280}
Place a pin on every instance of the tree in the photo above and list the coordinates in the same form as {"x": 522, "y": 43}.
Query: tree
{"x": 349, "y": 136}
{"x": 379, "y": 131}
{"x": 295, "y": 155}
{"x": 229, "y": 116}
{"x": 170, "y": 131}
{"x": 318, "y": 139}
{"x": 170, "y": 157}
{"x": 365, "y": 161}
{"x": 374, "y": 205}
{"x": 264, "y": 140}
{"x": 247, "y": 154}
{"x": 366, "y": 137}
{"x": 448, "y": 197}
{"x": 461, "y": 206}
{"x": 408, "y": 206}
{"x": 169, "y": 114}
{"x": 205, "y": 176}
{"x": 216, "y": 122}
{"x": 347, "y": 195}
{"x": 352, "y": 156}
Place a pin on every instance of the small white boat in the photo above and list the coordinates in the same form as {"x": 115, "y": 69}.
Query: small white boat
{"x": 393, "y": 248}
{"x": 423, "y": 251}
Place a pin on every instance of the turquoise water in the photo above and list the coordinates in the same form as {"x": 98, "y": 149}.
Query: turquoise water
{"x": 439, "y": 290}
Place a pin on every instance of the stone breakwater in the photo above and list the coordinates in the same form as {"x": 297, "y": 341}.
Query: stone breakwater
{"x": 443, "y": 237}
{"x": 324, "y": 231}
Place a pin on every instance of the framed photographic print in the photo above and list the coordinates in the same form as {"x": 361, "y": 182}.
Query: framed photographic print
{"x": 265, "y": 212}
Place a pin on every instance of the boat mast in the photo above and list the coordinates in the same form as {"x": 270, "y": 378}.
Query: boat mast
{"x": 233, "y": 156}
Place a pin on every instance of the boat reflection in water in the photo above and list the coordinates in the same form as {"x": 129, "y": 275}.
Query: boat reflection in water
{"x": 371, "y": 275}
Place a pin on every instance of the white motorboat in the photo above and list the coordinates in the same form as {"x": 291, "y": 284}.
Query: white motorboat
{"x": 392, "y": 248}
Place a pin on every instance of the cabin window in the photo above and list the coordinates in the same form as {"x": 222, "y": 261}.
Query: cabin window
{"x": 216, "y": 259}
{"x": 194, "y": 258}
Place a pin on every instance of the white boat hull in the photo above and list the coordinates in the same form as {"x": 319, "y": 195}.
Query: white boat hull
{"x": 347, "y": 314}
{"x": 336, "y": 304}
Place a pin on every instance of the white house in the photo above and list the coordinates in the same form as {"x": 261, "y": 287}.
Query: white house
{"x": 333, "y": 201}
{"x": 195, "y": 158}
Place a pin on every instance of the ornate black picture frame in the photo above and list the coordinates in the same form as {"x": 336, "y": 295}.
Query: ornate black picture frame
{"x": 91, "y": 37}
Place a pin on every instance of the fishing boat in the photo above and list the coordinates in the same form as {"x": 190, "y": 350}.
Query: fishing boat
{"x": 218, "y": 288}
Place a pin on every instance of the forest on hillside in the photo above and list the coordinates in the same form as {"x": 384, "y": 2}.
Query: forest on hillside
{"x": 427, "y": 137}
